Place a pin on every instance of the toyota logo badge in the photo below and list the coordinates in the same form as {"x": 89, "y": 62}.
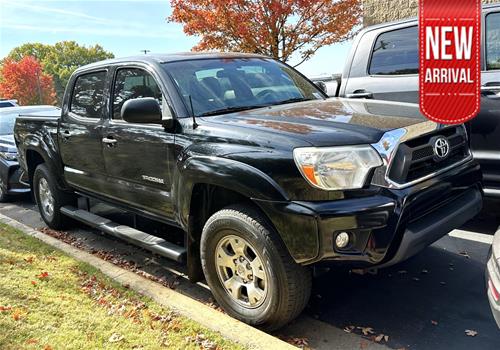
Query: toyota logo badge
{"x": 441, "y": 147}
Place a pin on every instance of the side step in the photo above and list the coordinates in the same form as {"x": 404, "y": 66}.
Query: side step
{"x": 155, "y": 244}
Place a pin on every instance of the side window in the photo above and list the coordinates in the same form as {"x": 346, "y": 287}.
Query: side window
{"x": 493, "y": 41}
{"x": 133, "y": 83}
{"x": 395, "y": 52}
{"x": 87, "y": 100}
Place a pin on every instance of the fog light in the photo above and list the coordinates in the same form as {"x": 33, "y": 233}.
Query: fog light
{"x": 342, "y": 240}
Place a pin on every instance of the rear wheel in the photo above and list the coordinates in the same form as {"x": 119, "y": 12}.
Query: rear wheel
{"x": 50, "y": 198}
{"x": 4, "y": 197}
{"x": 249, "y": 270}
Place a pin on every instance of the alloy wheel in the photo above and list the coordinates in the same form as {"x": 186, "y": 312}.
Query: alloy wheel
{"x": 241, "y": 271}
{"x": 46, "y": 198}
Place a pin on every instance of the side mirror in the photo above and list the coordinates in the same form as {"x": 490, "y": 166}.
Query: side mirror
{"x": 322, "y": 86}
{"x": 145, "y": 110}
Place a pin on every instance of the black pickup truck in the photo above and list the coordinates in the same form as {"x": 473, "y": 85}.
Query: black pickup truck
{"x": 264, "y": 175}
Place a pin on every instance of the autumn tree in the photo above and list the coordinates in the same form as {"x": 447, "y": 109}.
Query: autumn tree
{"x": 277, "y": 28}
{"x": 25, "y": 82}
{"x": 61, "y": 59}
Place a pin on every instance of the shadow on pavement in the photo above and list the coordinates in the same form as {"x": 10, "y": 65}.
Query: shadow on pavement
{"x": 403, "y": 301}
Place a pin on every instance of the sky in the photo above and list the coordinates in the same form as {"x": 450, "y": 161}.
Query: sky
{"x": 123, "y": 27}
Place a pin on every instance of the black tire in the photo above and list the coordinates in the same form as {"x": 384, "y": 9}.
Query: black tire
{"x": 4, "y": 197}
{"x": 288, "y": 286}
{"x": 57, "y": 220}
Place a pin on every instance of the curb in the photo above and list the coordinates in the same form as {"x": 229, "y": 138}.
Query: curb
{"x": 227, "y": 326}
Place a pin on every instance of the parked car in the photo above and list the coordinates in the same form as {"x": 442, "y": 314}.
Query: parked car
{"x": 493, "y": 277}
{"x": 8, "y": 103}
{"x": 383, "y": 65}
{"x": 12, "y": 179}
{"x": 263, "y": 174}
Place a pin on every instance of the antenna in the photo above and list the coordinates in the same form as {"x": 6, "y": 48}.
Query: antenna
{"x": 145, "y": 51}
{"x": 195, "y": 124}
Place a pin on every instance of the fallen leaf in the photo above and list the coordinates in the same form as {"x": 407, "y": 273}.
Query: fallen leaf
{"x": 115, "y": 338}
{"x": 5, "y": 308}
{"x": 33, "y": 283}
{"x": 363, "y": 344}
{"x": 32, "y": 341}
{"x": 43, "y": 275}
{"x": 349, "y": 329}
{"x": 16, "y": 314}
{"x": 47, "y": 347}
{"x": 470, "y": 333}
{"x": 381, "y": 337}
{"x": 29, "y": 259}
{"x": 366, "y": 330}
{"x": 464, "y": 254}
{"x": 435, "y": 323}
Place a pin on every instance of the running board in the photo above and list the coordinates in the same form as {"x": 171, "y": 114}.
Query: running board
{"x": 155, "y": 244}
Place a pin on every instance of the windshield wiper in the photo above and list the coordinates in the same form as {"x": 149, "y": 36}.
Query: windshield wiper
{"x": 230, "y": 110}
{"x": 292, "y": 100}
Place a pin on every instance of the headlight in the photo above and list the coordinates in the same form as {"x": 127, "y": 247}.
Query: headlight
{"x": 336, "y": 168}
{"x": 9, "y": 155}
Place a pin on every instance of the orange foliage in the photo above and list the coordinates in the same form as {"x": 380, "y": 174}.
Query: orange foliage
{"x": 25, "y": 82}
{"x": 277, "y": 28}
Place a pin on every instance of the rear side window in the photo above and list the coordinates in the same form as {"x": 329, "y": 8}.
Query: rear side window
{"x": 87, "y": 100}
{"x": 133, "y": 83}
{"x": 395, "y": 52}
{"x": 493, "y": 41}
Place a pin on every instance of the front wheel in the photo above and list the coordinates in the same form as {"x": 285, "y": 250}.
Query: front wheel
{"x": 50, "y": 198}
{"x": 249, "y": 270}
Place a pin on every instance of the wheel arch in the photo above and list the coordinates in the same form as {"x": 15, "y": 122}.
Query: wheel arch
{"x": 208, "y": 184}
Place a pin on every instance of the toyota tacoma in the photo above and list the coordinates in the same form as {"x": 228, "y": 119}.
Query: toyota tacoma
{"x": 265, "y": 176}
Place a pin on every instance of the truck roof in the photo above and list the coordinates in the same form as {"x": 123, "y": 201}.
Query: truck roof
{"x": 171, "y": 57}
{"x": 415, "y": 19}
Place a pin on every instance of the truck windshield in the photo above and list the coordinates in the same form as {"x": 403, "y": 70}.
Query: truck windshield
{"x": 218, "y": 86}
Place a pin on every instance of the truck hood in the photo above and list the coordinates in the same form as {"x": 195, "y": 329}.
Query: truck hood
{"x": 330, "y": 122}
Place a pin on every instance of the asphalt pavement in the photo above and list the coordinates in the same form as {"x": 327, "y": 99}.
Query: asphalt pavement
{"x": 427, "y": 302}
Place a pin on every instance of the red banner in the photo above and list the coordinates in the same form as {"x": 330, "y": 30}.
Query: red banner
{"x": 450, "y": 65}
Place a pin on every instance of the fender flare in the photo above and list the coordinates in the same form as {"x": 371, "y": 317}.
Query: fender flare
{"x": 226, "y": 173}
{"x": 48, "y": 152}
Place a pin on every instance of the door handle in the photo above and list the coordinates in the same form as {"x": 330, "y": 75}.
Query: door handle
{"x": 360, "y": 94}
{"x": 110, "y": 141}
{"x": 491, "y": 91}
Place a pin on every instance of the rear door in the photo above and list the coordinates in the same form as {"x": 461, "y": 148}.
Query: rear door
{"x": 385, "y": 65}
{"x": 80, "y": 131}
{"x": 139, "y": 158}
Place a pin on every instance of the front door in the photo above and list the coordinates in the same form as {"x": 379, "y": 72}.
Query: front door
{"x": 138, "y": 157}
{"x": 485, "y": 129}
{"x": 80, "y": 132}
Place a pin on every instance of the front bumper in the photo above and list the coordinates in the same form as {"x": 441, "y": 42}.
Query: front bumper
{"x": 385, "y": 228}
{"x": 493, "y": 278}
{"x": 13, "y": 178}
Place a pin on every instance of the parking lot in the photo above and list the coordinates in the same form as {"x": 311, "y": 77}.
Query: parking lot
{"x": 427, "y": 302}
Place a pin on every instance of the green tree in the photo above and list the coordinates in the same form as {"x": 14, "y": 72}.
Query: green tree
{"x": 61, "y": 59}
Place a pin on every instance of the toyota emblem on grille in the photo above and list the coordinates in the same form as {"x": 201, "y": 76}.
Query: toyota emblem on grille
{"x": 441, "y": 147}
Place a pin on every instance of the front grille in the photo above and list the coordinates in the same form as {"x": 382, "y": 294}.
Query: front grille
{"x": 415, "y": 158}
